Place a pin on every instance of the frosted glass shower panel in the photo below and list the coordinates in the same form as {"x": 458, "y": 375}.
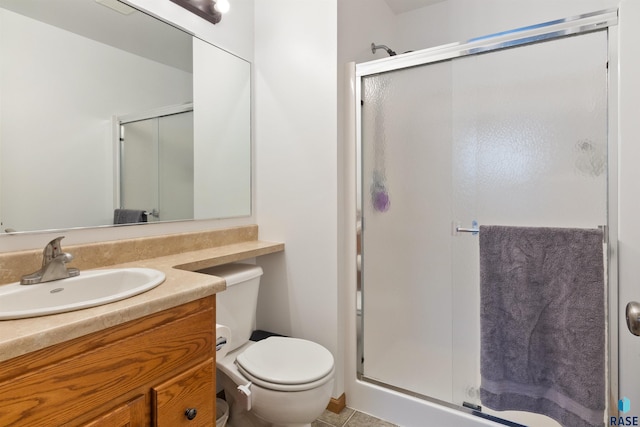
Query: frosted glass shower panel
{"x": 156, "y": 168}
{"x": 530, "y": 149}
{"x": 175, "y": 160}
{"x": 139, "y": 165}
{"x": 530, "y": 134}
{"x": 406, "y": 207}
{"x": 514, "y": 137}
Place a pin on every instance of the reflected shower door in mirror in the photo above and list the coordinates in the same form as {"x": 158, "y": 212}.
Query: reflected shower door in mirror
{"x": 491, "y": 139}
{"x": 156, "y": 166}
{"x": 67, "y": 69}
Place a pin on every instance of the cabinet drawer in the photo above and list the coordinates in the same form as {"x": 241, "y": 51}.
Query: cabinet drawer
{"x": 131, "y": 414}
{"x": 192, "y": 390}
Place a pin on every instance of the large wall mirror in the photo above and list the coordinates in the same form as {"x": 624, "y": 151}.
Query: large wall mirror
{"x": 104, "y": 109}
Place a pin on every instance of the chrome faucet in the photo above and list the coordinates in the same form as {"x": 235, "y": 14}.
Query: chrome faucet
{"x": 53, "y": 265}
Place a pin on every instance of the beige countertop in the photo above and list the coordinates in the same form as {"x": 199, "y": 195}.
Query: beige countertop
{"x": 182, "y": 284}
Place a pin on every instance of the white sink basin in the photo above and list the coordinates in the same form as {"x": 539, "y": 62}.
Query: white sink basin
{"x": 89, "y": 289}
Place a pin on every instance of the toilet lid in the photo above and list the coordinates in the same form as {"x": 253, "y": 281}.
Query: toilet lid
{"x": 283, "y": 360}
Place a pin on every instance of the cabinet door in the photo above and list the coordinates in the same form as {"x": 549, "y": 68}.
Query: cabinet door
{"x": 131, "y": 414}
{"x": 187, "y": 399}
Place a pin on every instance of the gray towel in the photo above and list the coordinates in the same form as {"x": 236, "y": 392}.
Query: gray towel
{"x": 129, "y": 216}
{"x": 542, "y": 322}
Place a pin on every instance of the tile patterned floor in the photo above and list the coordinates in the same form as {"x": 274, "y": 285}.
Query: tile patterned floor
{"x": 349, "y": 418}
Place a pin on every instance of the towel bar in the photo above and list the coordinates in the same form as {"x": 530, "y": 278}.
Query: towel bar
{"x": 476, "y": 231}
{"x": 467, "y": 230}
{"x": 154, "y": 213}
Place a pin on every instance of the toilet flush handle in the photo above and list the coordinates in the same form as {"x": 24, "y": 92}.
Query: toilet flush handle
{"x": 244, "y": 396}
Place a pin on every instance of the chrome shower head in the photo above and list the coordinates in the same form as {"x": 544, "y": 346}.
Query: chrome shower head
{"x": 375, "y": 47}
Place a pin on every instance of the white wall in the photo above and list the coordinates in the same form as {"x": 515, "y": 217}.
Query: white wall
{"x": 362, "y": 22}
{"x": 1, "y": 104}
{"x": 295, "y": 102}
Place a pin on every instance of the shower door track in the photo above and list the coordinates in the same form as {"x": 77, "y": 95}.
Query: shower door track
{"x": 547, "y": 31}
{"x": 552, "y": 30}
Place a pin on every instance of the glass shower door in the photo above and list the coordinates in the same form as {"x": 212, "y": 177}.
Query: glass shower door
{"x": 530, "y": 149}
{"x": 406, "y": 205}
{"x": 139, "y": 165}
{"x": 513, "y": 137}
{"x": 156, "y": 166}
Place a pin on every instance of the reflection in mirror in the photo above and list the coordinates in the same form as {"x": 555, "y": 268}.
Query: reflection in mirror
{"x": 156, "y": 166}
{"x": 71, "y": 70}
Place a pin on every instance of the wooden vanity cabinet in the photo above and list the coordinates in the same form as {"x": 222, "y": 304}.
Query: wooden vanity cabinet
{"x": 143, "y": 373}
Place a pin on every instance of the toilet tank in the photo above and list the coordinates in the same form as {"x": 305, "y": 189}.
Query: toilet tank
{"x": 236, "y": 306}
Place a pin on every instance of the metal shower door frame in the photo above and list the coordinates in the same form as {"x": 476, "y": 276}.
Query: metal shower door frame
{"x": 605, "y": 20}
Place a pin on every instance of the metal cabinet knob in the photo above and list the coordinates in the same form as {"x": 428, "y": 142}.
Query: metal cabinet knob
{"x": 191, "y": 413}
{"x": 633, "y": 317}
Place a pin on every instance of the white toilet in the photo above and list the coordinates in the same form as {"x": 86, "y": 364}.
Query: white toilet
{"x": 278, "y": 381}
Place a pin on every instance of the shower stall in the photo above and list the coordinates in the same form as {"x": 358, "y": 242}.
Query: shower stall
{"x": 510, "y": 129}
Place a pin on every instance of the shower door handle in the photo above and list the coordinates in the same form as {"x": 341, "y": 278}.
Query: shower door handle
{"x": 633, "y": 317}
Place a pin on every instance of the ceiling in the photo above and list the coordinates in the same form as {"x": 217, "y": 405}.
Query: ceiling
{"x": 401, "y": 6}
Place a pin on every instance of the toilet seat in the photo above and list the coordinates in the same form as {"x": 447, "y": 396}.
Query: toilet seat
{"x": 286, "y": 364}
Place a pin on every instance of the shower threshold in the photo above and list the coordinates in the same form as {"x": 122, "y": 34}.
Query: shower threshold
{"x": 470, "y": 411}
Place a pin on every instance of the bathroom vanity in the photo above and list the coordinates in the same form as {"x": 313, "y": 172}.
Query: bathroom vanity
{"x": 152, "y": 369}
{"x": 145, "y": 361}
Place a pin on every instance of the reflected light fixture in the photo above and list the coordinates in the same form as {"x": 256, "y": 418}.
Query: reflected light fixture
{"x": 211, "y": 10}
{"x": 222, "y": 6}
